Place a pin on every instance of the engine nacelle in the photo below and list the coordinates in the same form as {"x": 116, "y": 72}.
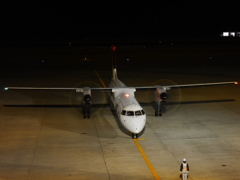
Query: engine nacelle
{"x": 87, "y": 95}
{"x": 160, "y": 94}
{"x": 87, "y": 98}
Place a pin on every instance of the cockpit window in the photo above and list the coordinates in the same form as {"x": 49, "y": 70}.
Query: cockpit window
{"x": 130, "y": 113}
{"x": 123, "y": 112}
{"x": 138, "y": 113}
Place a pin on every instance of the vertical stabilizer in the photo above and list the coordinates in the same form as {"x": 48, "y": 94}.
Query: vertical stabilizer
{"x": 114, "y": 67}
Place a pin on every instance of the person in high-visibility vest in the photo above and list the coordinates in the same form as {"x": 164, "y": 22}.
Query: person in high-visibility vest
{"x": 184, "y": 169}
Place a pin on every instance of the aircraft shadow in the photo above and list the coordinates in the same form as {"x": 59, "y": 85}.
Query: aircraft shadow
{"x": 164, "y": 105}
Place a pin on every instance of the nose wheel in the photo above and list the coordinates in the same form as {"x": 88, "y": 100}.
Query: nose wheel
{"x": 134, "y": 136}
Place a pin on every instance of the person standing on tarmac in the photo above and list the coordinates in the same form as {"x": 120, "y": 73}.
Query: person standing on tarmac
{"x": 184, "y": 169}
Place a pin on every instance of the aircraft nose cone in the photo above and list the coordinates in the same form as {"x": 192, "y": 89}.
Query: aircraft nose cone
{"x": 134, "y": 124}
{"x": 137, "y": 129}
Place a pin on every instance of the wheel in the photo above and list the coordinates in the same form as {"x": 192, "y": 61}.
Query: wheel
{"x": 158, "y": 113}
{"x": 134, "y": 136}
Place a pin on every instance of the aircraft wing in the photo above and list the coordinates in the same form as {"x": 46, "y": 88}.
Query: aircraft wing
{"x": 109, "y": 89}
{"x": 169, "y": 87}
{"x": 60, "y": 88}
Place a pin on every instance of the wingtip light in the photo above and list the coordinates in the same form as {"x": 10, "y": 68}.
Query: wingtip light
{"x": 235, "y": 82}
{"x": 5, "y": 89}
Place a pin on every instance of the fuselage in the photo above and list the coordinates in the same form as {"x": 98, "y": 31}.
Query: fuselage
{"x": 128, "y": 110}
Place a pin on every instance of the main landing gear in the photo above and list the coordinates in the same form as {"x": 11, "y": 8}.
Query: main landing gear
{"x": 86, "y": 110}
{"x": 158, "y": 111}
{"x": 134, "y": 136}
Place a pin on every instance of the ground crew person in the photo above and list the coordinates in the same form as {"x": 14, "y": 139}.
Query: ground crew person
{"x": 184, "y": 169}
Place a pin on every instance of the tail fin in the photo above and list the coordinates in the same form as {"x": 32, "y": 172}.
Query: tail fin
{"x": 114, "y": 67}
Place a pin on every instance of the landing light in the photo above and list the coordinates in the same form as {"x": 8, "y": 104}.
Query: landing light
{"x": 127, "y": 95}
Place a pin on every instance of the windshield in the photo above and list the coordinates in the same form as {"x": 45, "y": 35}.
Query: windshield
{"x": 132, "y": 113}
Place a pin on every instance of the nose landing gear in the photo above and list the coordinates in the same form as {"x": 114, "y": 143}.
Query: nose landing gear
{"x": 134, "y": 136}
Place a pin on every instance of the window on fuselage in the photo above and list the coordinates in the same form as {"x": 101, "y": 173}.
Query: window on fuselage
{"x": 143, "y": 112}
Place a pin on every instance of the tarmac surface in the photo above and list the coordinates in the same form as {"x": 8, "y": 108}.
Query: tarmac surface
{"x": 44, "y": 136}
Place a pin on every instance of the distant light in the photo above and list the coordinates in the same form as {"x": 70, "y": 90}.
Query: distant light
{"x": 128, "y": 59}
{"x": 127, "y": 95}
{"x": 232, "y": 34}
{"x": 225, "y": 34}
{"x": 43, "y": 61}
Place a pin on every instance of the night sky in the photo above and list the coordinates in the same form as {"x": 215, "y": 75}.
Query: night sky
{"x": 116, "y": 19}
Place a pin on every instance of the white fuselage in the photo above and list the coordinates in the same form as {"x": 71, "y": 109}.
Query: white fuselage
{"x": 129, "y": 111}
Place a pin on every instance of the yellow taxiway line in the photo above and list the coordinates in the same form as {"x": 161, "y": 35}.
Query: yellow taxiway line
{"x": 99, "y": 78}
{"x": 150, "y": 166}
